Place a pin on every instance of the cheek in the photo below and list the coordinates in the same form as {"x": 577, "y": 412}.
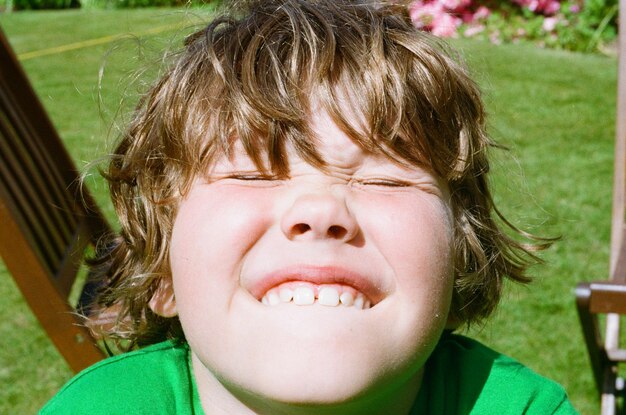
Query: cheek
{"x": 415, "y": 233}
{"x": 220, "y": 219}
{"x": 212, "y": 234}
{"x": 415, "y": 237}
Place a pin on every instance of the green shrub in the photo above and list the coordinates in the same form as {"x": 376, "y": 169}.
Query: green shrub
{"x": 45, "y": 4}
{"x": 102, "y": 4}
{"x": 578, "y": 25}
{"x": 131, "y": 4}
{"x": 589, "y": 27}
{"x": 597, "y": 23}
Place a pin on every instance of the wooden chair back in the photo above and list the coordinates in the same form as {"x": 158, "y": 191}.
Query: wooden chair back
{"x": 47, "y": 218}
{"x": 609, "y": 297}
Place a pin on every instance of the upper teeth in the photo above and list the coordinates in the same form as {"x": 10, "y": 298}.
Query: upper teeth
{"x": 308, "y": 294}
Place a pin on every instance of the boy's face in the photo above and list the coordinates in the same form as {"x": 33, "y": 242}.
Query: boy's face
{"x": 249, "y": 255}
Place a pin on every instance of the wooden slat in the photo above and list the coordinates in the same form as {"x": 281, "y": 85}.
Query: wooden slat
{"x": 617, "y": 355}
{"x": 36, "y": 187}
{"x": 619, "y": 268}
{"x": 56, "y": 316}
{"x": 39, "y": 153}
{"x": 37, "y": 191}
{"x": 44, "y": 227}
{"x": 619, "y": 177}
{"x": 31, "y": 208}
{"x": 40, "y": 126}
{"x": 49, "y": 153}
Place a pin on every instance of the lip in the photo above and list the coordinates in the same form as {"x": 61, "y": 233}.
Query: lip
{"x": 318, "y": 275}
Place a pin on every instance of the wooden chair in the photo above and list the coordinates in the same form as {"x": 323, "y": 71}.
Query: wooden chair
{"x": 47, "y": 218}
{"x": 609, "y": 297}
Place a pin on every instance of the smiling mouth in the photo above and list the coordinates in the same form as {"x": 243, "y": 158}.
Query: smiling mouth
{"x": 304, "y": 294}
{"x": 325, "y": 285}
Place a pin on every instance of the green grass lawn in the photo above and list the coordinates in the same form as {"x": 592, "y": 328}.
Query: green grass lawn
{"x": 555, "y": 110}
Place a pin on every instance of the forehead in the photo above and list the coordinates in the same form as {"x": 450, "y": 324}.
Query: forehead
{"x": 334, "y": 147}
{"x": 333, "y": 144}
{"x": 339, "y": 152}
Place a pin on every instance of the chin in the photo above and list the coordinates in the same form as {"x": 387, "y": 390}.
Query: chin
{"x": 328, "y": 389}
{"x": 325, "y": 385}
{"x": 338, "y": 376}
{"x": 313, "y": 390}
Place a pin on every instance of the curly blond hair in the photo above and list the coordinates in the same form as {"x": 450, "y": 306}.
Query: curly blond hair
{"x": 251, "y": 74}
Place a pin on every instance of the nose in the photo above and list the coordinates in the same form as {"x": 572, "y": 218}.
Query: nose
{"x": 319, "y": 216}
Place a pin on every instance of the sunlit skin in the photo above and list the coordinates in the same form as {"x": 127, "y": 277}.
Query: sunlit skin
{"x": 366, "y": 222}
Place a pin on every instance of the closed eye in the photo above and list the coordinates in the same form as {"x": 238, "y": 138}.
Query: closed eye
{"x": 382, "y": 182}
{"x": 251, "y": 177}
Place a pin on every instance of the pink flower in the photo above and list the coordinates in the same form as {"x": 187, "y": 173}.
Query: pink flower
{"x": 481, "y": 13}
{"x": 423, "y": 14}
{"x": 549, "y": 24}
{"x": 471, "y": 16}
{"x": 453, "y": 5}
{"x": 574, "y": 8}
{"x": 433, "y": 18}
{"x": 445, "y": 25}
{"x": 467, "y": 16}
{"x": 551, "y": 7}
{"x": 474, "y": 30}
{"x": 545, "y": 7}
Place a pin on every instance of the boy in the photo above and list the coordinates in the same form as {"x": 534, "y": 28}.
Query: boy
{"x": 305, "y": 219}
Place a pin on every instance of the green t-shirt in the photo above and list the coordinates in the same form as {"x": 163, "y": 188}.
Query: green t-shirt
{"x": 154, "y": 380}
{"x": 462, "y": 377}
{"x": 465, "y": 377}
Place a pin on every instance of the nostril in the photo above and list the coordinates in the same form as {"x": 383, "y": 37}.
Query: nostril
{"x": 301, "y": 228}
{"x": 337, "y": 232}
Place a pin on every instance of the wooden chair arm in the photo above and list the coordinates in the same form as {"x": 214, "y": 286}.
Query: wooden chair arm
{"x": 600, "y": 298}
{"x": 607, "y": 297}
